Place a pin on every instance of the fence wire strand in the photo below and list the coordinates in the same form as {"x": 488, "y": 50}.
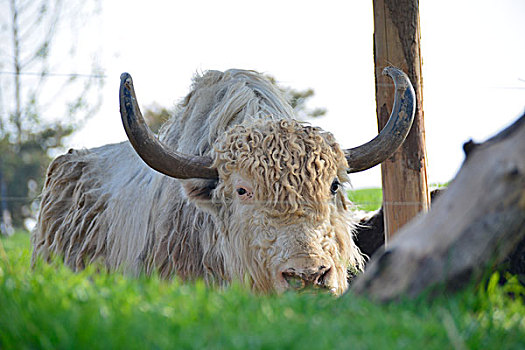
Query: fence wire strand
{"x": 63, "y": 75}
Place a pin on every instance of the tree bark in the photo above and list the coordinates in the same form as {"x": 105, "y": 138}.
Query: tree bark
{"x": 404, "y": 175}
{"x": 477, "y": 222}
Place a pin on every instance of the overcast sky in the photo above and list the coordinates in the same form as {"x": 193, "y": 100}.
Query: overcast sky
{"x": 473, "y": 63}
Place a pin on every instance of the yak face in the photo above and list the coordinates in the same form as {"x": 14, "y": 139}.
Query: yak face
{"x": 279, "y": 206}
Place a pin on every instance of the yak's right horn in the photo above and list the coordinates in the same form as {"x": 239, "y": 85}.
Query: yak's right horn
{"x": 395, "y": 131}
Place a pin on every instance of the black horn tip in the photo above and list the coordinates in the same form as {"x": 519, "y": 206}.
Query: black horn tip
{"x": 126, "y": 81}
{"x": 390, "y": 70}
{"x": 125, "y": 76}
{"x": 399, "y": 77}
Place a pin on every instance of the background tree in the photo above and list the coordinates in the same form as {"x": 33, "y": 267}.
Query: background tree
{"x": 299, "y": 101}
{"x": 156, "y": 115}
{"x": 33, "y": 86}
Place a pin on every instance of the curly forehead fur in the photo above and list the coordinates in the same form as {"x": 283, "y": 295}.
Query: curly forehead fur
{"x": 291, "y": 165}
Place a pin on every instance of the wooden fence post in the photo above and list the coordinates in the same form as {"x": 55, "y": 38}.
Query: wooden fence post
{"x": 404, "y": 175}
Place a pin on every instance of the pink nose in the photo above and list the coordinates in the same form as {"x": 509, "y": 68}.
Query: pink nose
{"x": 299, "y": 278}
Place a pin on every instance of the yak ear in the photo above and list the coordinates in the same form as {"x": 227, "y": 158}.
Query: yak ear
{"x": 199, "y": 190}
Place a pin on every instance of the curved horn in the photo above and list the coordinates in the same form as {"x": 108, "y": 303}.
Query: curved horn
{"x": 395, "y": 131}
{"x": 150, "y": 149}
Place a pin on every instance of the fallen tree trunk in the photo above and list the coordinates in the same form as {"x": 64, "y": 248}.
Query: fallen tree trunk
{"x": 478, "y": 221}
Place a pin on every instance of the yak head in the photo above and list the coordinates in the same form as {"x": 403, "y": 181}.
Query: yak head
{"x": 275, "y": 190}
{"x": 281, "y": 206}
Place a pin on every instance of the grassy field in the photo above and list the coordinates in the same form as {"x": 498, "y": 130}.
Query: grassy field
{"x": 52, "y": 308}
{"x": 367, "y": 199}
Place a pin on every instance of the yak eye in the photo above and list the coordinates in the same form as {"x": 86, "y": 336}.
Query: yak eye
{"x": 241, "y": 191}
{"x": 245, "y": 192}
{"x": 335, "y": 186}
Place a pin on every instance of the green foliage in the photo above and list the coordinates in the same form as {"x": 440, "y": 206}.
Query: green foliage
{"x": 22, "y": 167}
{"x": 51, "y": 307}
{"x": 298, "y": 100}
{"x": 370, "y": 199}
{"x": 155, "y": 116}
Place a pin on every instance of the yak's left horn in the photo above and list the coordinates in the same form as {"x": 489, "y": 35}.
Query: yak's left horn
{"x": 395, "y": 131}
{"x": 150, "y": 149}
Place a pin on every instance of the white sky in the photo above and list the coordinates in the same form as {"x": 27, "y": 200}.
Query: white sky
{"x": 473, "y": 63}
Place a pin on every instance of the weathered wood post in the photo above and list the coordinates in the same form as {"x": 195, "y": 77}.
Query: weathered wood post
{"x": 404, "y": 175}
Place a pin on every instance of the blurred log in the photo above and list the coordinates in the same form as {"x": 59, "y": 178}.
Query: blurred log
{"x": 477, "y": 222}
{"x": 370, "y": 238}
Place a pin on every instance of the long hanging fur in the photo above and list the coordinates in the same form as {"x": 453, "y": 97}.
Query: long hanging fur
{"x": 105, "y": 204}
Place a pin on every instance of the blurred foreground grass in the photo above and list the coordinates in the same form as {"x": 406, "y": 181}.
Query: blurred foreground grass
{"x": 52, "y": 308}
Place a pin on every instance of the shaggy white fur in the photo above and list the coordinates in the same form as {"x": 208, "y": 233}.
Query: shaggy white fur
{"x": 273, "y": 209}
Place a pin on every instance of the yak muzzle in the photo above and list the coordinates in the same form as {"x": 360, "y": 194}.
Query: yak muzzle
{"x": 302, "y": 278}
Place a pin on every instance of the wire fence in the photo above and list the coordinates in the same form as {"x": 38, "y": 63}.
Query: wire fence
{"x": 358, "y": 202}
{"x": 18, "y": 199}
{"x": 360, "y": 205}
{"x": 63, "y": 75}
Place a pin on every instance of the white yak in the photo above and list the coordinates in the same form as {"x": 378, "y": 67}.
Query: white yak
{"x": 233, "y": 188}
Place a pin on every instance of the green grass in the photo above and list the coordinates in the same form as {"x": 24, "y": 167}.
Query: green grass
{"x": 370, "y": 199}
{"x": 367, "y": 199}
{"x": 52, "y": 308}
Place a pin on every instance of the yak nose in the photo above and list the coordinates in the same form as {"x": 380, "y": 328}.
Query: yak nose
{"x": 299, "y": 278}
